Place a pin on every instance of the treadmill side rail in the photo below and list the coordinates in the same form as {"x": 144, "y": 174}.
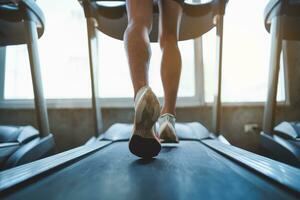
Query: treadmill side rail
{"x": 284, "y": 174}
{"x": 16, "y": 175}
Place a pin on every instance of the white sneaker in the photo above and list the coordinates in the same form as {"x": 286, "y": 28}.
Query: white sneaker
{"x": 167, "y": 132}
{"x": 143, "y": 142}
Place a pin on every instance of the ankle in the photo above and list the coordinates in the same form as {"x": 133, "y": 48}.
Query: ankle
{"x": 168, "y": 111}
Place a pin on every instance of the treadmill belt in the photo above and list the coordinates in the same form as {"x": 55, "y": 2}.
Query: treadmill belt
{"x": 189, "y": 170}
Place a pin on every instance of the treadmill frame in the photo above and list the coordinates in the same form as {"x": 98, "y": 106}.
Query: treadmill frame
{"x": 2, "y": 72}
{"x": 93, "y": 55}
{"x": 276, "y": 47}
{"x": 281, "y": 148}
{"x": 44, "y": 145}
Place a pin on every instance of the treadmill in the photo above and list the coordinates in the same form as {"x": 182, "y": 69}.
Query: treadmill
{"x": 282, "y": 20}
{"x": 109, "y": 17}
{"x": 12, "y": 138}
{"x": 199, "y": 167}
{"x": 23, "y": 23}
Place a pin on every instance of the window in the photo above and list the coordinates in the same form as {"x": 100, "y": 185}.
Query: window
{"x": 65, "y": 65}
{"x": 246, "y": 53}
{"x": 63, "y": 56}
{"x": 114, "y": 73}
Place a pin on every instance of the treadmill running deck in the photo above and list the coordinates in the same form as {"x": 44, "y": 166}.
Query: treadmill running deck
{"x": 189, "y": 170}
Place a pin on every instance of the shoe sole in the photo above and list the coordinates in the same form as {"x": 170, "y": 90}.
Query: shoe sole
{"x": 144, "y": 143}
{"x": 144, "y": 147}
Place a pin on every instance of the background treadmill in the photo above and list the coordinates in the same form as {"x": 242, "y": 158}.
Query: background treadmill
{"x": 23, "y": 23}
{"x": 282, "y": 20}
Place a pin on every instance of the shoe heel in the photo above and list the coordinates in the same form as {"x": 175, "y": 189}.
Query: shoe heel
{"x": 143, "y": 142}
{"x": 148, "y": 111}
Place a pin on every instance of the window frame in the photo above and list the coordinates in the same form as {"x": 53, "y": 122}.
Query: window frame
{"x": 2, "y": 72}
{"x": 285, "y": 67}
{"x": 195, "y": 101}
{"x": 122, "y": 102}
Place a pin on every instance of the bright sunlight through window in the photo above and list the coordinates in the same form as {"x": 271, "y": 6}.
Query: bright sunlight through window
{"x": 65, "y": 66}
{"x": 246, "y": 53}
